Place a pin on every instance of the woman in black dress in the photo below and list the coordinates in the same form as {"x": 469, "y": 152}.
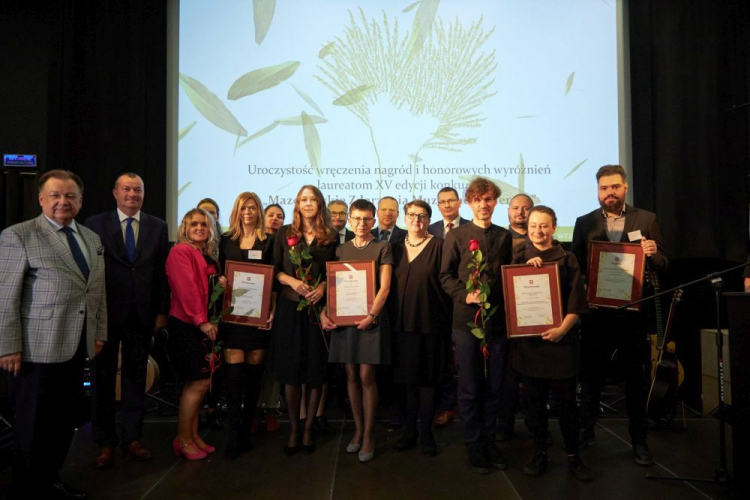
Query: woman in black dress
{"x": 244, "y": 346}
{"x": 551, "y": 362}
{"x": 300, "y": 355}
{"x": 422, "y": 320}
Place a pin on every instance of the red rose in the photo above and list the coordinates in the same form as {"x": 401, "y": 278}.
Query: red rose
{"x": 473, "y": 245}
{"x": 292, "y": 240}
{"x": 486, "y": 351}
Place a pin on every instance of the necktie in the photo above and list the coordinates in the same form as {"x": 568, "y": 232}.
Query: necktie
{"x": 130, "y": 240}
{"x": 75, "y": 249}
{"x": 448, "y": 227}
{"x": 384, "y": 235}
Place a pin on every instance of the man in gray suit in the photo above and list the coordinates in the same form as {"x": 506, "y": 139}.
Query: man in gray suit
{"x": 53, "y": 314}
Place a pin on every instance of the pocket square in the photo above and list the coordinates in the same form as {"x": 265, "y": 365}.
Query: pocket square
{"x": 100, "y": 250}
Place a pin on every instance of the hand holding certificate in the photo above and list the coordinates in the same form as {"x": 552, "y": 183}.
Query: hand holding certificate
{"x": 351, "y": 291}
{"x": 532, "y": 299}
{"x": 615, "y": 274}
{"x": 248, "y": 293}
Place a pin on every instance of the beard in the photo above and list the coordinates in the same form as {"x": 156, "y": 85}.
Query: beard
{"x": 613, "y": 204}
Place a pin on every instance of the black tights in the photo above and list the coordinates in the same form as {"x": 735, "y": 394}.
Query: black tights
{"x": 420, "y": 402}
{"x": 293, "y": 400}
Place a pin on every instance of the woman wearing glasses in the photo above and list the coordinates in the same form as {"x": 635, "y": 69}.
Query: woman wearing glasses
{"x": 368, "y": 344}
{"x": 422, "y": 324}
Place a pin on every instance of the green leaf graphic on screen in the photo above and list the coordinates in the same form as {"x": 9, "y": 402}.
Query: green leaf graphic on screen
{"x": 521, "y": 173}
{"x": 297, "y": 120}
{"x": 259, "y": 133}
{"x": 183, "y": 188}
{"x": 410, "y": 8}
{"x": 262, "y": 15}
{"x": 312, "y": 141}
{"x": 326, "y": 50}
{"x": 183, "y": 132}
{"x": 353, "y": 96}
{"x": 450, "y": 79}
{"x": 261, "y": 79}
{"x": 308, "y": 99}
{"x": 569, "y": 83}
{"x": 575, "y": 168}
{"x": 210, "y": 106}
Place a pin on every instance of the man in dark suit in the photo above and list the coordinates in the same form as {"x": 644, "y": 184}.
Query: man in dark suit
{"x": 387, "y": 217}
{"x": 339, "y": 214}
{"x": 137, "y": 245}
{"x": 53, "y": 313}
{"x": 606, "y": 330}
{"x": 448, "y": 203}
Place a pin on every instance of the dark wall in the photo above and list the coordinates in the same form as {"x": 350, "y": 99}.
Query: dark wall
{"x": 86, "y": 91}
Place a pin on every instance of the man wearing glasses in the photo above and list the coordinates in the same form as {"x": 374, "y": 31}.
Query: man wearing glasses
{"x": 387, "y": 217}
{"x": 448, "y": 203}
{"x": 338, "y": 211}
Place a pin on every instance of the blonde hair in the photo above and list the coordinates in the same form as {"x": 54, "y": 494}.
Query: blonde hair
{"x": 211, "y": 248}
{"x": 325, "y": 233}
{"x": 236, "y": 228}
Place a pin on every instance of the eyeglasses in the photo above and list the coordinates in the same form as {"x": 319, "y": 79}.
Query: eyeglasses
{"x": 358, "y": 220}
{"x": 339, "y": 214}
{"x": 417, "y": 216}
{"x": 448, "y": 202}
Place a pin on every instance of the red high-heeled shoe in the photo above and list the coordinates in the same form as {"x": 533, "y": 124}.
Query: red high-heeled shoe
{"x": 188, "y": 450}
{"x": 205, "y": 447}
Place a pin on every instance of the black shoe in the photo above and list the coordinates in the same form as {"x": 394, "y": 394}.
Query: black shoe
{"x": 537, "y": 465}
{"x": 577, "y": 466}
{"x": 308, "y": 448}
{"x": 478, "y": 461}
{"x": 586, "y": 438}
{"x": 292, "y": 450}
{"x": 494, "y": 455}
{"x": 405, "y": 443}
{"x": 61, "y": 490}
{"x": 641, "y": 453}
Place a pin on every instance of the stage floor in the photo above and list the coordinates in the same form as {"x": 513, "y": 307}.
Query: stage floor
{"x": 331, "y": 473}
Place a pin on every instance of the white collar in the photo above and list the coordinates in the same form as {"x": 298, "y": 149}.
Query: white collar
{"x": 124, "y": 217}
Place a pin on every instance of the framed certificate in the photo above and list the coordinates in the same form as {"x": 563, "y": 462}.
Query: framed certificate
{"x": 248, "y": 292}
{"x": 351, "y": 290}
{"x": 532, "y": 299}
{"x": 615, "y": 274}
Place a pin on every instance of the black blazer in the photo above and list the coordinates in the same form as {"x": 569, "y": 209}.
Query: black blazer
{"x": 142, "y": 282}
{"x": 438, "y": 228}
{"x": 591, "y": 227}
{"x": 397, "y": 234}
{"x": 349, "y": 235}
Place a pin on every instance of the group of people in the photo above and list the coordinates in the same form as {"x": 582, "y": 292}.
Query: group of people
{"x": 56, "y": 310}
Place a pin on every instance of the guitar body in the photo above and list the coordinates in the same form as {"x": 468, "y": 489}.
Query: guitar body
{"x": 671, "y": 347}
{"x": 667, "y": 372}
{"x": 152, "y": 375}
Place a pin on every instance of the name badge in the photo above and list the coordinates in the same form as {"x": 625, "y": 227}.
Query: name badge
{"x": 254, "y": 254}
{"x": 634, "y": 236}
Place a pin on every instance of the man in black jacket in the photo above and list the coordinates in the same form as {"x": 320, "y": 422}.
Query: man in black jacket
{"x": 478, "y": 392}
{"x": 136, "y": 247}
{"x": 607, "y": 330}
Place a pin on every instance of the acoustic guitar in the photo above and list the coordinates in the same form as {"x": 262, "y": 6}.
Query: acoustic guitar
{"x": 152, "y": 375}
{"x": 667, "y": 372}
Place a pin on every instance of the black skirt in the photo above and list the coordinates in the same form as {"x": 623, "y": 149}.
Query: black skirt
{"x": 188, "y": 348}
{"x": 420, "y": 358}
{"x": 299, "y": 353}
{"x": 242, "y": 337}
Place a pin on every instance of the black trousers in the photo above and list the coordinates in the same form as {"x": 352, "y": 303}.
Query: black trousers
{"x": 604, "y": 332}
{"x": 136, "y": 343}
{"x": 563, "y": 391}
{"x": 479, "y": 395}
{"x": 43, "y": 397}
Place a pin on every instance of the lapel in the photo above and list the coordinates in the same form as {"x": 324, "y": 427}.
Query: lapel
{"x": 630, "y": 217}
{"x": 144, "y": 233}
{"x": 54, "y": 240}
{"x": 599, "y": 229}
{"x": 114, "y": 235}
{"x": 93, "y": 247}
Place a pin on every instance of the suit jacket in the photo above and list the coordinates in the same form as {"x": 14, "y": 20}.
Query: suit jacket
{"x": 44, "y": 298}
{"x": 348, "y": 236}
{"x": 438, "y": 228}
{"x": 591, "y": 227}
{"x": 142, "y": 282}
{"x": 397, "y": 235}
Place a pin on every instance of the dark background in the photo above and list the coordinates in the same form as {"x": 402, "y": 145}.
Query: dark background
{"x": 84, "y": 87}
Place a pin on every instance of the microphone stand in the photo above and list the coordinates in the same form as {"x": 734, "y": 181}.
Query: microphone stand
{"x": 722, "y": 476}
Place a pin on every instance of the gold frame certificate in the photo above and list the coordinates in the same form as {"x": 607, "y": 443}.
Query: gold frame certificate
{"x": 248, "y": 293}
{"x": 616, "y": 273}
{"x": 532, "y": 299}
{"x": 350, "y": 290}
